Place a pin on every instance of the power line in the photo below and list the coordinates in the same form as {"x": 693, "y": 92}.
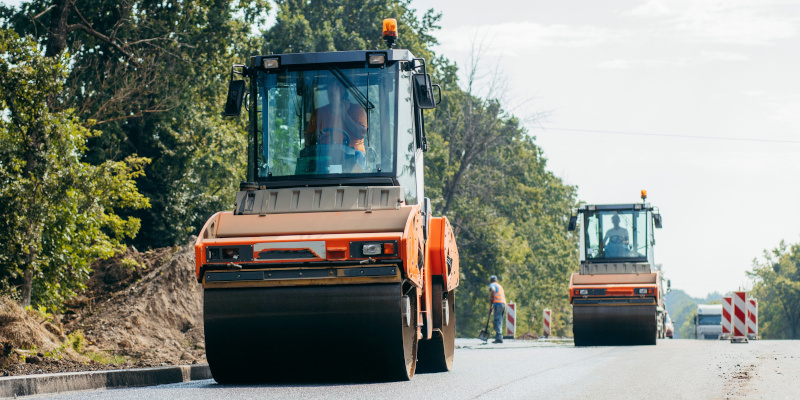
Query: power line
{"x": 673, "y": 136}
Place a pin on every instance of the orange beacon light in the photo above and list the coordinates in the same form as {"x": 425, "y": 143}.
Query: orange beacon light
{"x": 390, "y": 31}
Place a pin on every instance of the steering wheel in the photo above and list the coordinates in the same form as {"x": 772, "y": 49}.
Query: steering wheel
{"x": 326, "y": 136}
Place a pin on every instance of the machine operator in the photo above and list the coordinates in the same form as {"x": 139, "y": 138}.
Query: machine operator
{"x": 339, "y": 122}
{"x": 616, "y": 239}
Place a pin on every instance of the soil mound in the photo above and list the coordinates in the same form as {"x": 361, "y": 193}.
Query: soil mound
{"x": 146, "y": 306}
{"x": 528, "y": 336}
{"x": 40, "y": 337}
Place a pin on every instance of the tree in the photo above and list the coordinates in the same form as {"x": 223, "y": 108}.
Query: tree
{"x": 776, "y": 285}
{"x": 56, "y": 210}
{"x": 151, "y": 76}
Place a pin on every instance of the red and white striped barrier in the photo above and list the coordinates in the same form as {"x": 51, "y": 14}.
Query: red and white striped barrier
{"x": 727, "y": 311}
{"x": 511, "y": 320}
{"x": 752, "y": 318}
{"x": 546, "y": 323}
{"x": 739, "y": 321}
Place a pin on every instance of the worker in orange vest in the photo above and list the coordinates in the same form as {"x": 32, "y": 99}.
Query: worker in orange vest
{"x": 497, "y": 299}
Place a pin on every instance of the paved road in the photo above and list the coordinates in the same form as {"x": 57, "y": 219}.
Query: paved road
{"x": 673, "y": 369}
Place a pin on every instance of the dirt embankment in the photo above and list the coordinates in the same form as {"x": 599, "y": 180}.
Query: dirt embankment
{"x": 139, "y": 309}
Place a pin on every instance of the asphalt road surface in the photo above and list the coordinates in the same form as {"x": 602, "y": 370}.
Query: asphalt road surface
{"x": 673, "y": 369}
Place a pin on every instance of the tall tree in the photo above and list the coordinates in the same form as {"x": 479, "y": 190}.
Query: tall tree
{"x": 57, "y": 211}
{"x": 151, "y": 76}
{"x": 776, "y": 280}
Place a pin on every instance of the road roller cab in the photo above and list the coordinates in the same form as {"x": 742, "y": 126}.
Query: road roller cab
{"x": 617, "y": 296}
{"x": 331, "y": 264}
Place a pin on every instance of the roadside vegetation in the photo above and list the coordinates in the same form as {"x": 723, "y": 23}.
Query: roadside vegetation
{"x": 113, "y": 137}
{"x": 776, "y": 278}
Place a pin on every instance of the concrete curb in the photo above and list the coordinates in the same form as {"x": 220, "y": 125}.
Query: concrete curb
{"x": 28, "y": 385}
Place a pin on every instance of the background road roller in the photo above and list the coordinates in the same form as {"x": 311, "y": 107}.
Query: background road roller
{"x": 331, "y": 265}
{"x": 617, "y": 296}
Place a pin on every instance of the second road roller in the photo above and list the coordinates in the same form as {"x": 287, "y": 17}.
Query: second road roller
{"x": 331, "y": 266}
{"x": 617, "y": 296}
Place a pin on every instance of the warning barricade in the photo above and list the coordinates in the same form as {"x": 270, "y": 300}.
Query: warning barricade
{"x": 511, "y": 321}
{"x": 546, "y": 323}
{"x": 727, "y": 310}
{"x": 752, "y": 319}
{"x": 739, "y": 318}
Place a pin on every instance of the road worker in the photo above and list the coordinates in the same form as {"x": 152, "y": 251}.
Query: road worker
{"x": 497, "y": 299}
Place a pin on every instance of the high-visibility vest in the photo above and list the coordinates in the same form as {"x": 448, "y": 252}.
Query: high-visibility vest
{"x": 498, "y": 295}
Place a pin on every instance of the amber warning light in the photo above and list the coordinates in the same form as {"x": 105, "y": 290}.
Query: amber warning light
{"x": 390, "y": 31}
{"x": 644, "y": 195}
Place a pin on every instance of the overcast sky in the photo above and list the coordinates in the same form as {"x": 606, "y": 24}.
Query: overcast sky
{"x": 702, "y": 68}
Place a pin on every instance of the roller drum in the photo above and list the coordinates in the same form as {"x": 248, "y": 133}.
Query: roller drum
{"x": 310, "y": 333}
{"x": 610, "y": 325}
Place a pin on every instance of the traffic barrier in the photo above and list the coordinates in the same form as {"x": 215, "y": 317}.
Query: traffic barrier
{"x": 727, "y": 310}
{"x": 752, "y": 318}
{"x": 511, "y": 321}
{"x": 739, "y": 333}
{"x": 546, "y": 323}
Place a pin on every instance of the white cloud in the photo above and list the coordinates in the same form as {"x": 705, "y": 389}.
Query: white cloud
{"x": 510, "y": 38}
{"x": 646, "y": 63}
{"x": 723, "y": 56}
{"x": 746, "y": 22}
{"x": 651, "y": 8}
{"x": 785, "y": 109}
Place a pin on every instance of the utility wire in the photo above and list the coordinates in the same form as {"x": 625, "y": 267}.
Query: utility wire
{"x": 673, "y": 136}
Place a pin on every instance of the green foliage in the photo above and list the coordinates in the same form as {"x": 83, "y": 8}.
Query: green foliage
{"x": 40, "y": 312}
{"x": 132, "y": 264}
{"x": 57, "y": 211}
{"x": 776, "y": 279}
{"x": 152, "y": 75}
{"x": 76, "y": 340}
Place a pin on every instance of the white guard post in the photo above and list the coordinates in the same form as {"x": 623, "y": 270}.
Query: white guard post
{"x": 739, "y": 334}
{"x": 727, "y": 311}
{"x": 546, "y": 323}
{"x": 511, "y": 321}
{"x": 752, "y": 319}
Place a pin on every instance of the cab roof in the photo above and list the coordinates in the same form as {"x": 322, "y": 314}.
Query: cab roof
{"x": 333, "y": 57}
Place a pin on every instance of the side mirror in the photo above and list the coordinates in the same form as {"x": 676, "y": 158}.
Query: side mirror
{"x": 423, "y": 91}
{"x": 669, "y": 285}
{"x": 573, "y": 222}
{"x": 236, "y": 91}
{"x": 233, "y": 106}
{"x": 657, "y": 220}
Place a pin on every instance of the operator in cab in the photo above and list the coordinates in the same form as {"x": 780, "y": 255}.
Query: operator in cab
{"x": 339, "y": 122}
{"x": 616, "y": 240}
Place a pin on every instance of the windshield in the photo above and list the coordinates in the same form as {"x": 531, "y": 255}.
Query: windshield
{"x": 709, "y": 319}
{"x": 325, "y": 122}
{"x": 616, "y": 234}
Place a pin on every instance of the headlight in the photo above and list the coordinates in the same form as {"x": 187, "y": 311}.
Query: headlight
{"x": 584, "y": 291}
{"x": 372, "y": 249}
{"x": 231, "y": 253}
{"x": 270, "y": 63}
